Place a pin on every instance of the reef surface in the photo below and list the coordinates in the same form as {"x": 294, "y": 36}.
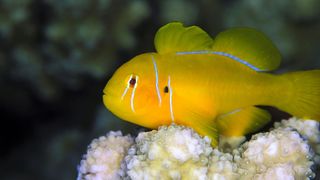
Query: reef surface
{"x": 290, "y": 150}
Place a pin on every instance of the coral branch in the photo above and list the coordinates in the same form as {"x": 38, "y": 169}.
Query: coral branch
{"x": 289, "y": 151}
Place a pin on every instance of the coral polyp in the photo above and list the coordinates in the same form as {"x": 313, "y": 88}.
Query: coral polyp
{"x": 288, "y": 151}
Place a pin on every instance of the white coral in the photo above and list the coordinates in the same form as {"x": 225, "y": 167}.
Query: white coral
{"x": 279, "y": 154}
{"x": 177, "y": 152}
{"x": 104, "y": 157}
{"x": 172, "y": 152}
{"x": 222, "y": 166}
{"x": 308, "y": 129}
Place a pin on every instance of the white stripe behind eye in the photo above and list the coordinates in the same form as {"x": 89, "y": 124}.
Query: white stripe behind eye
{"x": 170, "y": 100}
{"x": 133, "y": 94}
{"x": 126, "y": 90}
{"x": 157, "y": 80}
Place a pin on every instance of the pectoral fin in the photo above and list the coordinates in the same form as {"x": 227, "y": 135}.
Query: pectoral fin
{"x": 243, "y": 121}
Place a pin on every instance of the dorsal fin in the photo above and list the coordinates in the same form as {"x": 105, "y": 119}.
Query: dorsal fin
{"x": 174, "y": 37}
{"x": 249, "y": 45}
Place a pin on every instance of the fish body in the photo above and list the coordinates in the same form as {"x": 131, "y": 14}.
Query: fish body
{"x": 208, "y": 85}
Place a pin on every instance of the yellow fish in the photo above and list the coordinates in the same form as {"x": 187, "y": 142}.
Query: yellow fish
{"x": 210, "y": 85}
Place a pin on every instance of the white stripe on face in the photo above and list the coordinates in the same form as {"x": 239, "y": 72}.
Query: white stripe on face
{"x": 126, "y": 90}
{"x": 157, "y": 80}
{"x": 170, "y": 100}
{"x": 133, "y": 93}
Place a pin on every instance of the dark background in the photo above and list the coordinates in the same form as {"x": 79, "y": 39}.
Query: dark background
{"x": 57, "y": 55}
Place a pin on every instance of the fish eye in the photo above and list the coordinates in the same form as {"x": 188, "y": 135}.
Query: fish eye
{"x": 166, "y": 89}
{"x": 132, "y": 81}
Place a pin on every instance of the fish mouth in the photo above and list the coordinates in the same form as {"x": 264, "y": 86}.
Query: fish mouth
{"x": 106, "y": 98}
{"x": 105, "y": 95}
{"x": 109, "y": 96}
{"x": 106, "y": 92}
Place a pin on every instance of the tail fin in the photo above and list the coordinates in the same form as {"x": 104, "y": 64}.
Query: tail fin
{"x": 303, "y": 94}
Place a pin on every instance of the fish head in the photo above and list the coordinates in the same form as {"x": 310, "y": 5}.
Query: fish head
{"x": 131, "y": 95}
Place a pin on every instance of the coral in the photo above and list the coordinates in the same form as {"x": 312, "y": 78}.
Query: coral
{"x": 172, "y": 152}
{"x": 222, "y": 166}
{"x": 104, "y": 157}
{"x": 308, "y": 129}
{"x": 278, "y": 154}
{"x": 177, "y": 152}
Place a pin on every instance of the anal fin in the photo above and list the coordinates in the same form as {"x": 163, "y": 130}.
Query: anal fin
{"x": 242, "y": 121}
{"x": 205, "y": 128}
{"x": 208, "y": 129}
